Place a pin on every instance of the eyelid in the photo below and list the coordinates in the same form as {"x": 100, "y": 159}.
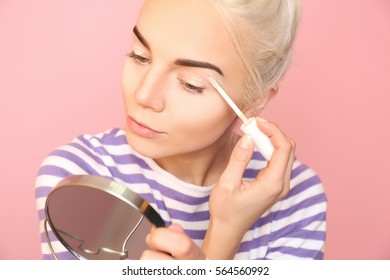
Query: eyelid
{"x": 138, "y": 52}
{"x": 139, "y": 57}
{"x": 189, "y": 87}
{"x": 194, "y": 81}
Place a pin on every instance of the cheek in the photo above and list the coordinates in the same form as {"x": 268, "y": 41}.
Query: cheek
{"x": 127, "y": 80}
{"x": 204, "y": 122}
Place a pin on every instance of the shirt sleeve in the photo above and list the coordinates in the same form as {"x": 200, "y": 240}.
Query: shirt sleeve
{"x": 298, "y": 229}
{"x": 77, "y": 158}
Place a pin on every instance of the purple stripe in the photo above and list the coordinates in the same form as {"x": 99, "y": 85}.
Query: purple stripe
{"x": 298, "y": 170}
{"x": 130, "y": 178}
{"x": 196, "y": 234}
{"x": 292, "y": 228}
{"x": 257, "y": 156}
{"x": 261, "y": 240}
{"x": 264, "y": 239}
{"x": 254, "y": 243}
{"x": 76, "y": 159}
{"x": 152, "y": 200}
{"x": 304, "y": 185}
{"x": 52, "y": 237}
{"x": 101, "y": 150}
{"x": 112, "y": 137}
{"x": 80, "y": 162}
{"x": 264, "y": 220}
{"x": 60, "y": 256}
{"x": 177, "y": 195}
{"x": 41, "y": 214}
{"x": 176, "y": 214}
{"x": 252, "y": 173}
{"x": 118, "y": 159}
{"x": 189, "y": 217}
{"x": 42, "y": 191}
{"x": 308, "y": 234}
{"x": 298, "y": 252}
{"x": 165, "y": 191}
{"x": 54, "y": 170}
{"x": 299, "y": 206}
{"x": 130, "y": 159}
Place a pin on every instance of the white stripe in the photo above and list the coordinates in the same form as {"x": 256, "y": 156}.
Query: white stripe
{"x": 257, "y": 232}
{"x": 298, "y": 243}
{"x": 116, "y": 150}
{"x": 259, "y": 252}
{"x": 125, "y": 169}
{"x": 303, "y": 176}
{"x": 57, "y": 247}
{"x": 187, "y": 208}
{"x": 40, "y": 203}
{"x": 47, "y": 180}
{"x": 299, "y": 216}
{"x": 316, "y": 225}
{"x": 101, "y": 169}
{"x": 306, "y": 194}
{"x": 257, "y": 164}
{"x": 65, "y": 163}
{"x": 196, "y": 225}
{"x": 281, "y": 256}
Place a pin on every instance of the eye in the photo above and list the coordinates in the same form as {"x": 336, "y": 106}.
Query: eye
{"x": 142, "y": 60}
{"x": 190, "y": 87}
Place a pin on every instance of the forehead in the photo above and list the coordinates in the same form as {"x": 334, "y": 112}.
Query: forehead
{"x": 188, "y": 29}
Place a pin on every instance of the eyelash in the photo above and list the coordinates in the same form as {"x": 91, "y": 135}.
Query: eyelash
{"x": 141, "y": 60}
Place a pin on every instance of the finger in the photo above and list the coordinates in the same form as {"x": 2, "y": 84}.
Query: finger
{"x": 280, "y": 158}
{"x": 287, "y": 178}
{"x": 155, "y": 255}
{"x": 239, "y": 159}
{"x": 174, "y": 242}
{"x": 177, "y": 228}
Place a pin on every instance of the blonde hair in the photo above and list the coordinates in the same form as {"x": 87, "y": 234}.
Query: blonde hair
{"x": 263, "y": 32}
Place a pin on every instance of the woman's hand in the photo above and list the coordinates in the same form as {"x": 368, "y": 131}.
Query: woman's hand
{"x": 235, "y": 205}
{"x": 171, "y": 243}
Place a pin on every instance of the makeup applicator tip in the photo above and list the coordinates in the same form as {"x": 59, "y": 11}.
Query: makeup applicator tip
{"x": 213, "y": 82}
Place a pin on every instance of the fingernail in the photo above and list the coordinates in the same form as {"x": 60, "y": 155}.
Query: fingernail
{"x": 261, "y": 119}
{"x": 246, "y": 142}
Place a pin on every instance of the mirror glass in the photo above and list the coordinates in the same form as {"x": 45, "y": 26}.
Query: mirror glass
{"x": 97, "y": 218}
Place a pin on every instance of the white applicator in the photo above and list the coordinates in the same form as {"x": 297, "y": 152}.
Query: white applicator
{"x": 262, "y": 142}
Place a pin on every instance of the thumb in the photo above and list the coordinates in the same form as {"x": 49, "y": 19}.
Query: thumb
{"x": 239, "y": 159}
{"x": 177, "y": 228}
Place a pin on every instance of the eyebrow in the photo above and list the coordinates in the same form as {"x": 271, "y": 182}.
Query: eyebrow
{"x": 198, "y": 64}
{"x": 141, "y": 38}
{"x": 180, "y": 61}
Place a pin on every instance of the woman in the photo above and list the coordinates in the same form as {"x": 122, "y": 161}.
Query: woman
{"x": 180, "y": 150}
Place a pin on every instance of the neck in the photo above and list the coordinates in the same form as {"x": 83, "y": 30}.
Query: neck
{"x": 203, "y": 167}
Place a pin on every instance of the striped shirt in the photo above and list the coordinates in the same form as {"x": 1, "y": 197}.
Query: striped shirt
{"x": 294, "y": 228}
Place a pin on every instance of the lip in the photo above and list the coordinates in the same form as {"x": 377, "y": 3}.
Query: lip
{"x": 142, "y": 129}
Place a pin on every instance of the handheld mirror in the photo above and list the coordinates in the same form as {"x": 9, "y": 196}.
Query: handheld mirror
{"x": 99, "y": 219}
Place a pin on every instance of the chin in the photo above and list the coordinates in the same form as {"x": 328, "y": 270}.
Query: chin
{"x": 148, "y": 148}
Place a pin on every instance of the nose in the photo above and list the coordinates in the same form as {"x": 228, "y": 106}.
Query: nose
{"x": 149, "y": 92}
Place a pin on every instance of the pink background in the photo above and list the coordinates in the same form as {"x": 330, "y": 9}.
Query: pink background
{"x": 60, "y": 71}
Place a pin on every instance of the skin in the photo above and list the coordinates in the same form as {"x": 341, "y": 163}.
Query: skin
{"x": 194, "y": 125}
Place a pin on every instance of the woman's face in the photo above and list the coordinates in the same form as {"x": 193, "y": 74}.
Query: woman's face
{"x": 170, "y": 106}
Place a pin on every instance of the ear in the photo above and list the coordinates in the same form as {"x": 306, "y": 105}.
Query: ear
{"x": 260, "y": 104}
{"x": 273, "y": 92}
